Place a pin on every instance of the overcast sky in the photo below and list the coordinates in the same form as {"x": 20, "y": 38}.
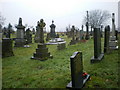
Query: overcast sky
{"x": 63, "y": 12}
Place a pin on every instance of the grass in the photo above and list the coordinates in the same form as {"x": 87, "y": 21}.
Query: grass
{"x": 20, "y": 71}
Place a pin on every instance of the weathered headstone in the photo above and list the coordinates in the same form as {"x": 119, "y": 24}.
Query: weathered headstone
{"x": 78, "y": 80}
{"x": 73, "y": 41}
{"x": 9, "y": 31}
{"x": 61, "y": 46}
{"x": 106, "y": 40}
{"x": 97, "y": 46}
{"x": 20, "y": 41}
{"x": 7, "y": 48}
{"x": 42, "y": 51}
{"x": 113, "y": 41}
{"x": 37, "y": 35}
{"x": 33, "y": 31}
{"x": 52, "y": 30}
{"x": 81, "y": 33}
{"x": 48, "y": 37}
{"x": 28, "y": 36}
{"x": 87, "y": 28}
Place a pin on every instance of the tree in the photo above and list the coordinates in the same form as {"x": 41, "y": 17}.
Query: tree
{"x": 97, "y": 18}
{"x": 2, "y": 19}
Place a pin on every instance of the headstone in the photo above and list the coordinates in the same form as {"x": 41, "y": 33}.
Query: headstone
{"x": 28, "y": 36}
{"x": 97, "y": 46}
{"x": 106, "y": 39}
{"x": 9, "y": 31}
{"x": 113, "y": 41}
{"x": 73, "y": 41}
{"x": 33, "y": 31}
{"x": 7, "y": 49}
{"x": 37, "y": 35}
{"x": 20, "y": 41}
{"x": 57, "y": 35}
{"x": 61, "y": 46}
{"x": 52, "y": 30}
{"x": 87, "y": 28}
{"x": 48, "y": 37}
{"x": 116, "y": 34}
{"x": 78, "y": 80}
{"x": 77, "y": 35}
{"x": 81, "y": 35}
{"x": 41, "y": 51}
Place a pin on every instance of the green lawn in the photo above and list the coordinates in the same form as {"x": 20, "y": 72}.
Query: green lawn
{"x": 20, "y": 71}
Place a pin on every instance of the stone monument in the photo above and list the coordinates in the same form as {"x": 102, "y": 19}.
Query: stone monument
{"x": 78, "y": 77}
{"x": 73, "y": 41}
{"x": 52, "y": 30}
{"x": 37, "y": 35}
{"x": 97, "y": 46}
{"x": 20, "y": 41}
{"x": 106, "y": 39}
{"x": 87, "y": 28}
{"x": 42, "y": 51}
{"x": 113, "y": 41}
{"x": 28, "y": 36}
{"x": 81, "y": 33}
{"x": 7, "y": 48}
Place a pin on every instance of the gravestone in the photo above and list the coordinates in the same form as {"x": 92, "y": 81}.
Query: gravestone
{"x": 113, "y": 41}
{"x": 28, "y": 36}
{"x": 97, "y": 46}
{"x": 20, "y": 40}
{"x": 73, "y": 41}
{"x": 9, "y": 31}
{"x": 7, "y": 49}
{"x": 33, "y": 31}
{"x": 106, "y": 40}
{"x": 52, "y": 30}
{"x": 87, "y": 28}
{"x": 81, "y": 33}
{"x": 48, "y": 37}
{"x": 78, "y": 80}
{"x": 41, "y": 51}
{"x": 61, "y": 46}
{"x": 37, "y": 35}
{"x": 77, "y": 35}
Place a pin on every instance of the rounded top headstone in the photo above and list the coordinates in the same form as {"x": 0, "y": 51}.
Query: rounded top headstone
{"x": 52, "y": 25}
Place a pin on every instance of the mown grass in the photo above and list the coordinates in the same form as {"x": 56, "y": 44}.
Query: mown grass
{"x": 20, "y": 71}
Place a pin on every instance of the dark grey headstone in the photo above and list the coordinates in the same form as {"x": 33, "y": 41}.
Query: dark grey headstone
{"x": 106, "y": 40}
{"x": 52, "y": 30}
{"x": 76, "y": 63}
{"x": 97, "y": 46}
{"x": 7, "y": 48}
{"x": 61, "y": 46}
{"x": 28, "y": 36}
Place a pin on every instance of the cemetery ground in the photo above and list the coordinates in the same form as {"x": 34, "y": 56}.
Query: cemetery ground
{"x": 19, "y": 71}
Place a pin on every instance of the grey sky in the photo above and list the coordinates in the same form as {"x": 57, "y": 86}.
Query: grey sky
{"x": 63, "y": 12}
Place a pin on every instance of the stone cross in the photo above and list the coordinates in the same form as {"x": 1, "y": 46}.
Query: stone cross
{"x": 41, "y": 25}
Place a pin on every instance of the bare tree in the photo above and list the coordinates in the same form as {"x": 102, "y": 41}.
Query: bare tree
{"x": 2, "y": 19}
{"x": 97, "y": 18}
